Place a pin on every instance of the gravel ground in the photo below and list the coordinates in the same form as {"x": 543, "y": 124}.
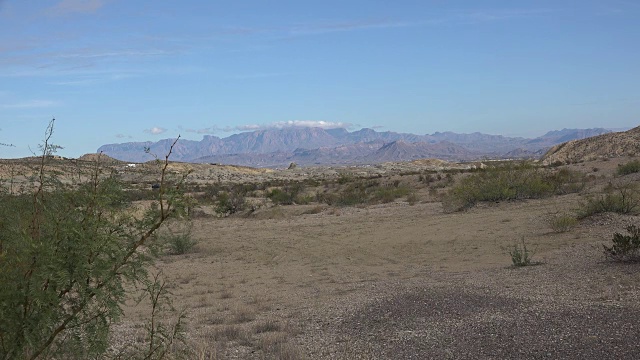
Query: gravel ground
{"x": 574, "y": 306}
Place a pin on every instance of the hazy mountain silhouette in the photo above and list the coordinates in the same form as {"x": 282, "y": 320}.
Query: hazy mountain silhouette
{"x": 306, "y": 146}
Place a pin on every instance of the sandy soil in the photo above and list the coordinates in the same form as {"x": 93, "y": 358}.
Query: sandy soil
{"x": 396, "y": 281}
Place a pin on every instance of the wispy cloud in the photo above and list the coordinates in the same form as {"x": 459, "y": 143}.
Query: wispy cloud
{"x": 264, "y": 75}
{"x": 458, "y": 17}
{"x": 155, "y": 130}
{"x": 309, "y": 29}
{"x": 93, "y": 54}
{"x": 30, "y": 104}
{"x": 492, "y": 15}
{"x": 65, "y": 7}
{"x": 289, "y": 124}
{"x": 207, "y": 131}
{"x": 123, "y": 136}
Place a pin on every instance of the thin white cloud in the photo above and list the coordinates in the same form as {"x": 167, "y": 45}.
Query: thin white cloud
{"x": 290, "y": 124}
{"x": 245, "y": 128}
{"x": 29, "y": 104}
{"x": 349, "y": 26}
{"x": 459, "y": 17}
{"x": 65, "y": 7}
{"x": 259, "y": 75}
{"x": 93, "y": 54}
{"x": 206, "y": 131}
{"x": 501, "y": 14}
{"x": 155, "y": 130}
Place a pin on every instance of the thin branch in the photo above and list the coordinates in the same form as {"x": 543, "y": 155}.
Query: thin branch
{"x": 164, "y": 214}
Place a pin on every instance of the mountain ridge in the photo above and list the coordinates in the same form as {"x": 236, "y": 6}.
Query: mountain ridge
{"x": 614, "y": 144}
{"x": 317, "y": 146}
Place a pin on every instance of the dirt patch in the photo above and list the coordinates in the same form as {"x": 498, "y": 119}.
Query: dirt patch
{"x": 399, "y": 281}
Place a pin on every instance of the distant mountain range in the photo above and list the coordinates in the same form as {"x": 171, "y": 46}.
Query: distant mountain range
{"x": 316, "y": 146}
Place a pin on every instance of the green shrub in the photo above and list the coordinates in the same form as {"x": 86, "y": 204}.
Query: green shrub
{"x": 389, "y": 194}
{"x": 354, "y": 194}
{"x": 629, "y": 168}
{"x": 281, "y": 197}
{"x": 178, "y": 238}
{"x": 520, "y": 255}
{"x": 621, "y": 199}
{"x": 625, "y": 247}
{"x": 180, "y": 244}
{"x": 370, "y": 191}
{"x": 229, "y": 203}
{"x": 327, "y": 198}
{"x": 510, "y": 182}
{"x": 288, "y": 194}
{"x": 345, "y": 179}
{"x": 565, "y": 181}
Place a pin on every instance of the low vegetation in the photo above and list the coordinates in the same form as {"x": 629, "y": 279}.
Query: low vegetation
{"x": 177, "y": 237}
{"x": 621, "y": 199}
{"x": 229, "y": 203}
{"x": 625, "y": 247}
{"x": 629, "y": 168}
{"x": 511, "y": 182}
{"x": 562, "y": 222}
{"x": 521, "y": 255}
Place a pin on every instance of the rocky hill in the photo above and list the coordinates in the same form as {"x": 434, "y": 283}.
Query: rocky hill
{"x": 403, "y": 151}
{"x": 626, "y": 143}
{"x": 316, "y": 146}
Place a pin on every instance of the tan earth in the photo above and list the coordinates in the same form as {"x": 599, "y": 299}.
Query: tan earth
{"x": 401, "y": 281}
{"x": 396, "y": 281}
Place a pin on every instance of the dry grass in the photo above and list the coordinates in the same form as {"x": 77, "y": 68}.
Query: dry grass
{"x": 243, "y": 314}
{"x": 269, "y": 325}
{"x": 562, "y": 222}
{"x": 276, "y": 346}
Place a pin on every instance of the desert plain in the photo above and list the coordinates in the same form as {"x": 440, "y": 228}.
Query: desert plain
{"x": 401, "y": 279}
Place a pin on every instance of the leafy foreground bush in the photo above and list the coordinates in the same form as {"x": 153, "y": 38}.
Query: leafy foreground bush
{"x": 511, "y": 182}
{"x": 625, "y": 247}
{"x": 67, "y": 254}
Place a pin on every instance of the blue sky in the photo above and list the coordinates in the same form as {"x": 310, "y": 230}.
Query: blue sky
{"x": 115, "y": 71}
